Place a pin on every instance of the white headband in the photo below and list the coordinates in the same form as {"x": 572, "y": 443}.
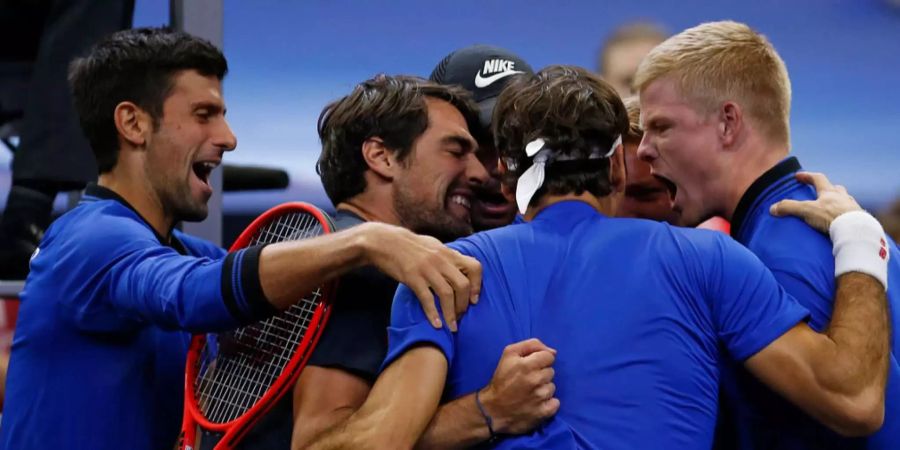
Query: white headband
{"x": 533, "y": 178}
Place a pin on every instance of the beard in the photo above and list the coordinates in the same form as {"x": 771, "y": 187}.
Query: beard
{"x": 429, "y": 219}
{"x": 177, "y": 201}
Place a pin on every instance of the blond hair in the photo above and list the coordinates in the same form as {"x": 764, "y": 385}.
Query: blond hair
{"x": 721, "y": 61}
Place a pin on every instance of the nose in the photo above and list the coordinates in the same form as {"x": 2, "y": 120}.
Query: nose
{"x": 224, "y": 138}
{"x": 476, "y": 173}
{"x": 646, "y": 151}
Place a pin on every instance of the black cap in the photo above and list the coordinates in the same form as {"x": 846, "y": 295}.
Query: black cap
{"x": 483, "y": 70}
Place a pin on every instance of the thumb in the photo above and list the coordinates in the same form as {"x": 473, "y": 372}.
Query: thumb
{"x": 529, "y": 346}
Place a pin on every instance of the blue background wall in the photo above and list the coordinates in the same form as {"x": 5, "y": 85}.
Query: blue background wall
{"x": 289, "y": 58}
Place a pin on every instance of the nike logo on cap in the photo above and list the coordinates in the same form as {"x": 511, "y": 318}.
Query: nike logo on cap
{"x": 500, "y": 68}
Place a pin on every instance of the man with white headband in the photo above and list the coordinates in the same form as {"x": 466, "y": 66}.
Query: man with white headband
{"x": 638, "y": 351}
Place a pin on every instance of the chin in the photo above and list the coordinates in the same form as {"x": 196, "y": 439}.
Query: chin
{"x": 448, "y": 232}
{"x": 194, "y": 214}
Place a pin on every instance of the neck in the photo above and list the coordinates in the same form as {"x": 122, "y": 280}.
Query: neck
{"x": 605, "y": 205}
{"x": 371, "y": 207}
{"x": 747, "y": 167}
{"x": 123, "y": 182}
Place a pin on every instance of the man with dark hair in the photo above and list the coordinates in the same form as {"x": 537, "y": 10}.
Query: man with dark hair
{"x": 396, "y": 150}
{"x": 638, "y": 357}
{"x": 99, "y": 349}
{"x": 484, "y": 71}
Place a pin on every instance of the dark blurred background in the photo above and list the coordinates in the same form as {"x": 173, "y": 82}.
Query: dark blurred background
{"x": 289, "y": 58}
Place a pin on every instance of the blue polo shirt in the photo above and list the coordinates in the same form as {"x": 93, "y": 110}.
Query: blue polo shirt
{"x": 98, "y": 354}
{"x": 801, "y": 260}
{"x": 639, "y": 311}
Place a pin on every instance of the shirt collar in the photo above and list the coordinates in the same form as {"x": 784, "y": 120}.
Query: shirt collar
{"x": 756, "y": 190}
{"x": 94, "y": 192}
{"x": 566, "y": 208}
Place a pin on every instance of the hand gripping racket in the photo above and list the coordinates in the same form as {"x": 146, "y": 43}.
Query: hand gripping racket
{"x": 234, "y": 378}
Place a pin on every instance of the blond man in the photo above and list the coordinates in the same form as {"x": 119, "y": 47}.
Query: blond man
{"x": 715, "y": 103}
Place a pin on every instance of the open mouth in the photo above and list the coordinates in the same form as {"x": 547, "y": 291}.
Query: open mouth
{"x": 491, "y": 198}
{"x": 203, "y": 169}
{"x": 461, "y": 200}
{"x": 671, "y": 188}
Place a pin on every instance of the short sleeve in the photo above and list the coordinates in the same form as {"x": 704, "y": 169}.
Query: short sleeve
{"x": 410, "y": 328}
{"x": 750, "y": 309}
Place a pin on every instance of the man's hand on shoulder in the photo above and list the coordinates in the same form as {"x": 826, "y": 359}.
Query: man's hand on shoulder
{"x": 425, "y": 265}
{"x": 832, "y": 201}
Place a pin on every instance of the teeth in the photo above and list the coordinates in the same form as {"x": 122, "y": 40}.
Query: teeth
{"x": 460, "y": 200}
{"x": 209, "y": 165}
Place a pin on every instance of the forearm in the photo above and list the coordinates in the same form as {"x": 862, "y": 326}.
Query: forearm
{"x": 860, "y": 333}
{"x": 324, "y": 397}
{"x": 859, "y": 328}
{"x": 838, "y": 377}
{"x": 290, "y": 270}
{"x": 399, "y": 407}
{"x": 458, "y": 424}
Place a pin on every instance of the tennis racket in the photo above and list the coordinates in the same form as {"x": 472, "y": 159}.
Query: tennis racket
{"x": 234, "y": 378}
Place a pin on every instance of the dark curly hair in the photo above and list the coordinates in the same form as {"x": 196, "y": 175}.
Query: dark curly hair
{"x": 389, "y": 107}
{"x": 137, "y": 66}
{"x": 575, "y": 112}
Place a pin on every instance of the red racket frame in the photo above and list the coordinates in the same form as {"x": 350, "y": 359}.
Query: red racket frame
{"x": 233, "y": 431}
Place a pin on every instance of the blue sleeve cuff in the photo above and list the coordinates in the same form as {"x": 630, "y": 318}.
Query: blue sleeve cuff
{"x": 411, "y": 328}
{"x": 241, "y": 287}
{"x": 403, "y": 339}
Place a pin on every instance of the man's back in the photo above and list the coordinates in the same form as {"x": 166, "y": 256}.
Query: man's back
{"x": 801, "y": 260}
{"x": 637, "y": 311}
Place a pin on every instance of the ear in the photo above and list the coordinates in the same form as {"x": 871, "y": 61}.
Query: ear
{"x": 379, "y": 158}
{"x": 505, "y": 189}
{"x": 617, "y": 169}
{"x": 132, "y": 123}
{"x": 731, "y": 123}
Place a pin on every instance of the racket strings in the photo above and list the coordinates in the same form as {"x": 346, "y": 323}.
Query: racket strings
{"x": 237, "y": 368}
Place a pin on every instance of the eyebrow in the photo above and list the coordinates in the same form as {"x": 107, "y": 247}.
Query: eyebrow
{"x": 465, "y": 142}
{"x": 213, "y": 107}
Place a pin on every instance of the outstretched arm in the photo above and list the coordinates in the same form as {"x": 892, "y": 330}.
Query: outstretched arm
{"x": 289, "y": 270}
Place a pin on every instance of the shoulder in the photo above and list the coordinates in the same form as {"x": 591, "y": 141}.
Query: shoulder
{"x": 101, "y": 227}
{"x": 687, "y": 242}
{"x": 789, "y": 244}
{"x": 344, "y": 219}
{"x": 199, "y": 247}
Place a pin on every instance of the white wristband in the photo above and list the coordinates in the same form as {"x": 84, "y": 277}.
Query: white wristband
{"x": 859, "y": 246}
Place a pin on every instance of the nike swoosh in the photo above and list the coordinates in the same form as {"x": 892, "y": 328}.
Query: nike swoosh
{"x": 485, "y": 82}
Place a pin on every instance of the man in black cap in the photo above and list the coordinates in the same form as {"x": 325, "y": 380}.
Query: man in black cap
{"x": 484, "y": 70}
